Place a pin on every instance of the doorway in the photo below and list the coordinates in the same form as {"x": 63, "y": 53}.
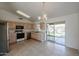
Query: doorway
{"x": 56, "y": 33}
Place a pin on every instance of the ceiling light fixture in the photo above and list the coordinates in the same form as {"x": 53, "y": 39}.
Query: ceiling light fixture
{"x": 44, "y": 16}
{"x": 22, "y": 13}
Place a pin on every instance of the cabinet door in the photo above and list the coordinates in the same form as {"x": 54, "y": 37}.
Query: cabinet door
{"x": 12, "y": 25}
{"x": 11, "y": 31}
{"x": 12, "y": 36}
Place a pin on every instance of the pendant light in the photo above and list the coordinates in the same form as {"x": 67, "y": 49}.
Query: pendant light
{"x": 43, "y": 17}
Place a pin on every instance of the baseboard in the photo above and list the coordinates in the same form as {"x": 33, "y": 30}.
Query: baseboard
{"x": 72, "y": 48}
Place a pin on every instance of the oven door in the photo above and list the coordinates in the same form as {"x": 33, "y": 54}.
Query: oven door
{"x": 20, "y": 35}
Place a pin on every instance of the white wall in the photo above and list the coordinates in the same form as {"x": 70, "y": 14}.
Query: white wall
{"x": 72, "y": 29}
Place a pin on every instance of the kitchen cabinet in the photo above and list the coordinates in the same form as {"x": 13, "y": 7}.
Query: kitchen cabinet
{"x": 12, "y": 36}
{"x": 28, "y": 26}
{"x": 38, "y": 36}
{"x": 36, "y": 26}
{"x": 11, "y": 32}
{"x": 11, "y": 25}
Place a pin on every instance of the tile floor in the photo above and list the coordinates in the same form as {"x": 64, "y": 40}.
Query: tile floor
{"x": 34, "y": 48}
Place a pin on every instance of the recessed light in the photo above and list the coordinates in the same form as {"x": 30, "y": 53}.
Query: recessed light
{"x": 22, "y": 13}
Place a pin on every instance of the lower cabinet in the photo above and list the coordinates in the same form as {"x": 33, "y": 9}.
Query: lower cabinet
{"x": 12, "y": 37}
{"x": 37, "y": 36}
{"x": 34, "y": 35}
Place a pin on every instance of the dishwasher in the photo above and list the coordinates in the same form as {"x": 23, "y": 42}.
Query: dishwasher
{"x": 28, "y": 35}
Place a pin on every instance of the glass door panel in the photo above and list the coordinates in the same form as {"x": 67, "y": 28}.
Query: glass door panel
{"x": 50, "y": 32}
{"x": 60, "y": 33}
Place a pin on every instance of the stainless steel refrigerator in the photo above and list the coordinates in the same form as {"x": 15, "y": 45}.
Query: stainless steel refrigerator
{"x": 4, "y": 41}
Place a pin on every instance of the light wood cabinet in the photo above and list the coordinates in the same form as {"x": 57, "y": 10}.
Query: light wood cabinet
{"x": 36, "y": 36}
{"x": 12, "y": 25}
{"x": 28, "y": 26}
{"x": 12, "y": 36}
{"x": 12, "y": 28}
{"x": 42, "y": 26}
{"x": 36, "y": 27}
{"x": 11, "y": 32}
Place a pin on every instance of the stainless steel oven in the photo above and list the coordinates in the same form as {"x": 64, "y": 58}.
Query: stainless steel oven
{"x": 20, "y": 35}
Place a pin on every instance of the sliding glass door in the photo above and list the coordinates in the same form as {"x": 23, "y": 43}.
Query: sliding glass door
{"x": 56, "y": 33}
{"x": 60, "y": 33}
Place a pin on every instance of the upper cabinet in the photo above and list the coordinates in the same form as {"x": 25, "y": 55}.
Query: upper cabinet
{"x": 28, "y": 26}
{"x": 36, "y": 26}
{"x": 11, "y": 25}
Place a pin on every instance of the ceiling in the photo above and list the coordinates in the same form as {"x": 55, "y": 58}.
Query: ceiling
{"x": 34, "y": 9}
